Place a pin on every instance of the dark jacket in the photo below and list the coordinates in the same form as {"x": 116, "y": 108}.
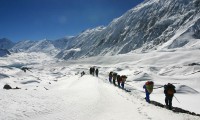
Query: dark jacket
{"x": 169, "y": 90}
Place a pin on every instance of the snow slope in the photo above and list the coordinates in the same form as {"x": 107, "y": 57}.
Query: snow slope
{"x": 54, "y": 90}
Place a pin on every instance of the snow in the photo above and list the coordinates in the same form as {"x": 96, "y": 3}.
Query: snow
{"x": 157, "y": 40}
{"x": 151, "y": 25}
{"x": 179, "y": 33}
{"x": 54, "y": 90}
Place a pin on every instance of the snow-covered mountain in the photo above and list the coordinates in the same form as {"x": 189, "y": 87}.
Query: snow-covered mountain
{"x": 43, "y": 46}
{"x": 6, "y": 43}
{"x": 22, "y": 46}
{"x": 153, "y": 24}
{"x": 82, "y": 44}
{"x": 4, "y": 52}
{"x": 63, "y": 43}
{"x": 46, "y": 46}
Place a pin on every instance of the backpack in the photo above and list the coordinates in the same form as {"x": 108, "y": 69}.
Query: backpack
{"x": 149, "y": 86}
{"x": 123, "y": 77}
{"x": 170, "y": 89}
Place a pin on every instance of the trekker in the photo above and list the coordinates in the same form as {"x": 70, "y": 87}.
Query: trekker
{"x": 118, "y": 80}
{"x": 114, "y": 78}
{"x": 82, "y": 73}
{"x": 90, "y": 70}
{"x": 169, "y": 91}
{"x": 123, "y": 78}
{"x": 110, "y": 77}
{"x": 148, "y": 86}
{"x": 97, "y": 72}
{"x": 93, "y": 70}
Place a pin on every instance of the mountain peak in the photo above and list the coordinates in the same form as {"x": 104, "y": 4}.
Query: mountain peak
{"x": 6, "y": 43}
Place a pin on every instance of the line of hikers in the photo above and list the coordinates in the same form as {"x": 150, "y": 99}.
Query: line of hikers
{"x": 113, "y": 77}
{"x": 169, "y": 90}
{"x": 94, "y": 71}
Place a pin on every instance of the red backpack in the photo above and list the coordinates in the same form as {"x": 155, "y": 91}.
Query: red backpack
{"x": 149, "y": 86}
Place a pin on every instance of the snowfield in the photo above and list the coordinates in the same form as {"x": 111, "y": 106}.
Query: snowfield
{"x": 158, "y": 41}
{"x": 54, "y": 90}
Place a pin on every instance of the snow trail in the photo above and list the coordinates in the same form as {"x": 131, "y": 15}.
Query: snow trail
{"x": 71, "y": 97}
{"x": 89, "y": 98}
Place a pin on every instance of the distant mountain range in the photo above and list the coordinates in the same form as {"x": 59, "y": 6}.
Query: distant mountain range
{"x": 153, "y": 24}
{"x": 4, "y": 52}
{"x": 6, "y": 43}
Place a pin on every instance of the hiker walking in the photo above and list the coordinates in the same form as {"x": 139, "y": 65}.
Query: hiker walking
{"x": 93, "y": 70}
{"x": 82, "y": 73}
{"x": 90, "y": 70}
{"x": 118, "y": 80}
{"x": 123, "y": 79}
{"x": 169, "y": 91}
{"x": 110, "y": 77}
{"x": 114, "y": 78}
{"x": 148, "y": 86}
{"x": 97, "y": 72}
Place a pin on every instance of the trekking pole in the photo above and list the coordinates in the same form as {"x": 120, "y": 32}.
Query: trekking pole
{"x": 176, "y": 98}
{"x": 158, "y": 87}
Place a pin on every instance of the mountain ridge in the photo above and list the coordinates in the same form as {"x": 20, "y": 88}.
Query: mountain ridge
{"x": 151, "y": 25}
{"x": 6, "y": 43}
{"x": 148, "y": 26}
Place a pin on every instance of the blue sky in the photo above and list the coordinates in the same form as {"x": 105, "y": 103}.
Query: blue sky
{"x": 53, "y": 19}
